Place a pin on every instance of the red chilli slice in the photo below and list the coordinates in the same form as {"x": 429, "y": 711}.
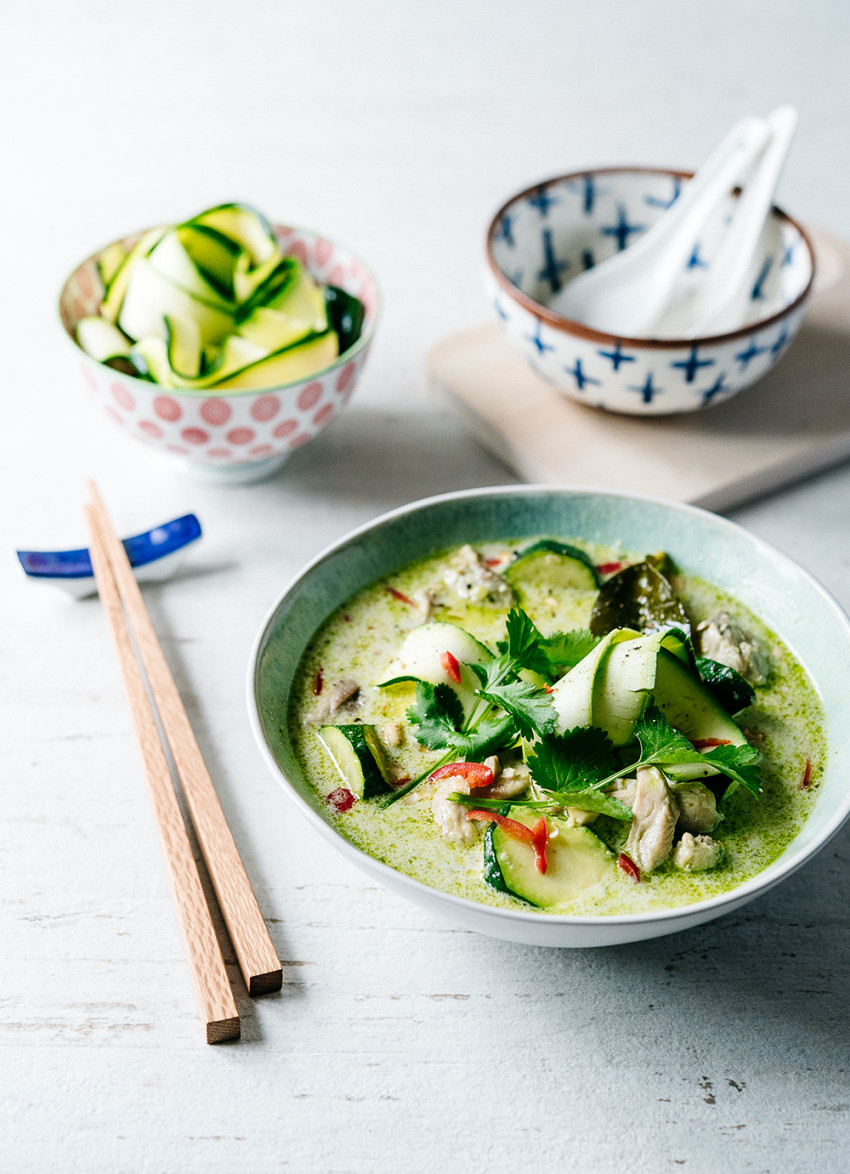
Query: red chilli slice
{"x": 609, "y": 568}
{"x": 539, "y": 835}
{"x": 535, "y": 836}
{"x": 517, "y": 831}
{"x": 450, "y": 664}
{"x": 318, "y": 684}
{"x": 396, "y": 594}
{"x": 628, "y": 866}
{"x": 705, "y": 743}
{"x": 341, "y": 799}
{"x": 475, "y": 773}
{"x": 807, "y": 776}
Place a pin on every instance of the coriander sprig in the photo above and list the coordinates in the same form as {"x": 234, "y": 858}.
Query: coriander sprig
{"x": 506, "y": 708}
{"x": 584, "y": 759}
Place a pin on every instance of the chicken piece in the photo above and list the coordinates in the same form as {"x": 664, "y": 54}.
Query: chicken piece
{"x": 697, "y": 853}
{"x": 697, "y": 807}
{"x": 472, "y": 579}
{"x": 424, "y": 602}
{"x": 510, "y": 782}
{"x": 722, "y": 640}
{"x": 335, "y": 697}
{"x": 655, "y": 813}
{"x": 392, "y": 733}
{"x": 624, "y": 790}
{"x": 449, "y": 816}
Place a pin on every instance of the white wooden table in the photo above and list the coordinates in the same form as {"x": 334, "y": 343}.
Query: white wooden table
{"x": 399, "y": 1044}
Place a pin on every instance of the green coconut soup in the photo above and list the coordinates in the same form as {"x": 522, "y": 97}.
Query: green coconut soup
{"x": 361, "y": 642}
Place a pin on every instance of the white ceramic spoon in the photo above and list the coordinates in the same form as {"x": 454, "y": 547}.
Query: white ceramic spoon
{"x": 627, "y": 292}
{"x": 721, "y": 302}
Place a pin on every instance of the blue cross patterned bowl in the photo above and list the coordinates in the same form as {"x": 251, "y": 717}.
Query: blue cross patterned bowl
{"x": 551, "y": 232}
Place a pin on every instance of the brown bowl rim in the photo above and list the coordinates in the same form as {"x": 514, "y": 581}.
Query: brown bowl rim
{"x": 573, "y": 327}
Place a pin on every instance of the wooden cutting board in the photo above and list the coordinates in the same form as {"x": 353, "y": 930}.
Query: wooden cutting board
{"x": 790, "y": 424}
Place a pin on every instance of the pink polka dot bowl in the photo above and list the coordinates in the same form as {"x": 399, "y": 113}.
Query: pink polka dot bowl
{"x": 230, "y": 436}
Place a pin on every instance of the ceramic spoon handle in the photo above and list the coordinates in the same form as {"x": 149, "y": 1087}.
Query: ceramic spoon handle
{"x": 623, "y": 294}
{"x": 723, "y": 300}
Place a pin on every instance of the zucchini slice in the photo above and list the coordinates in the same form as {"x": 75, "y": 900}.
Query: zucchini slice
{"x": 247, "y": 277}
{"x": 272, "y": 330}
{"x": 113, "y": 298}
{"x": 101, "y": 339}
{"x": 295, "y": 312}
{"x": 150, "y": 297}
{"x": 183, "y": 342}
{"x": 694, "y": 711}
{"x": 634, "y": 672}
{"x": 356, "y": 754}
{"x": 155, "y": 359}
{"x": 555, "y": 565}
{"x": 623, "y": 686}
{"x": 110, "y": 261}
{"x": 170, "y": 259}
{"x": 242, "y": 224}
{"x": 420, "y": 658}
{"x": 572, "y": 696}
{"x": 150, "y": 358}
{"x": 286, "y": 366}
{"x": 214, "y": 254}
{"x": 576, "y": 861}
{"x": 283, "y": 274}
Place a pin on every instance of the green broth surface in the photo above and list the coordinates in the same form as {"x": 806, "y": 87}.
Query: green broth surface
{"x": 360, "y": 640}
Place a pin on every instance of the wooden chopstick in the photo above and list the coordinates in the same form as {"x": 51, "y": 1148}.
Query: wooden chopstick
{"x": 209, "y": 975}
{"x": 252, "y": 944}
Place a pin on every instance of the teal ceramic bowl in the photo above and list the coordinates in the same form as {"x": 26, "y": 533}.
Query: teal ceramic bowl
{"x": 786, "y": 597}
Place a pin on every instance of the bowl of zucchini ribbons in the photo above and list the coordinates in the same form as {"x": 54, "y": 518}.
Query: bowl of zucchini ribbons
{"x": 559, "y": 716}
{"x": 224, "y": 341}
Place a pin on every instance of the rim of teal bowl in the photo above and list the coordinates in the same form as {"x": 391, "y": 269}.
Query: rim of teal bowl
{"x": 218, "y": 393}
{"x": 775, "y": 872}
{"x": 574, "y": 327}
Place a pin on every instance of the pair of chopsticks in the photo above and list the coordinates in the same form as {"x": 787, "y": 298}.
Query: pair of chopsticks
{"x": 258, "y": 961}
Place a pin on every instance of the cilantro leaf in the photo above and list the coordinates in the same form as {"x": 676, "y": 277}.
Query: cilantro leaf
{"x": 549, "y": 656}
{"x": 523, "y": 636}
{"x": 528, "y": 705}
{"x": 482, "y": 671}
{"x": 523, "y": 648}
{"x": 489, "y": 736}
{"x": 739, "y": 763}
{"x": 662, "y": 745}
{"x": 574, "y": 761}
{"x": 588, "y": 800}
{"x": 660, "y": 742}
{"x": 593, "y": 800}
{"x": 503, "y": 806}
{"x": 564, "y": 650}
{"x": 437, "y": 713}
{"x": 494, "y": 672}
{"x": 438, "y": 716}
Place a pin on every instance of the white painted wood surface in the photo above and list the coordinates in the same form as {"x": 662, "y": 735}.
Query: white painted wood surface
{"x": 398, "y": 1044}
